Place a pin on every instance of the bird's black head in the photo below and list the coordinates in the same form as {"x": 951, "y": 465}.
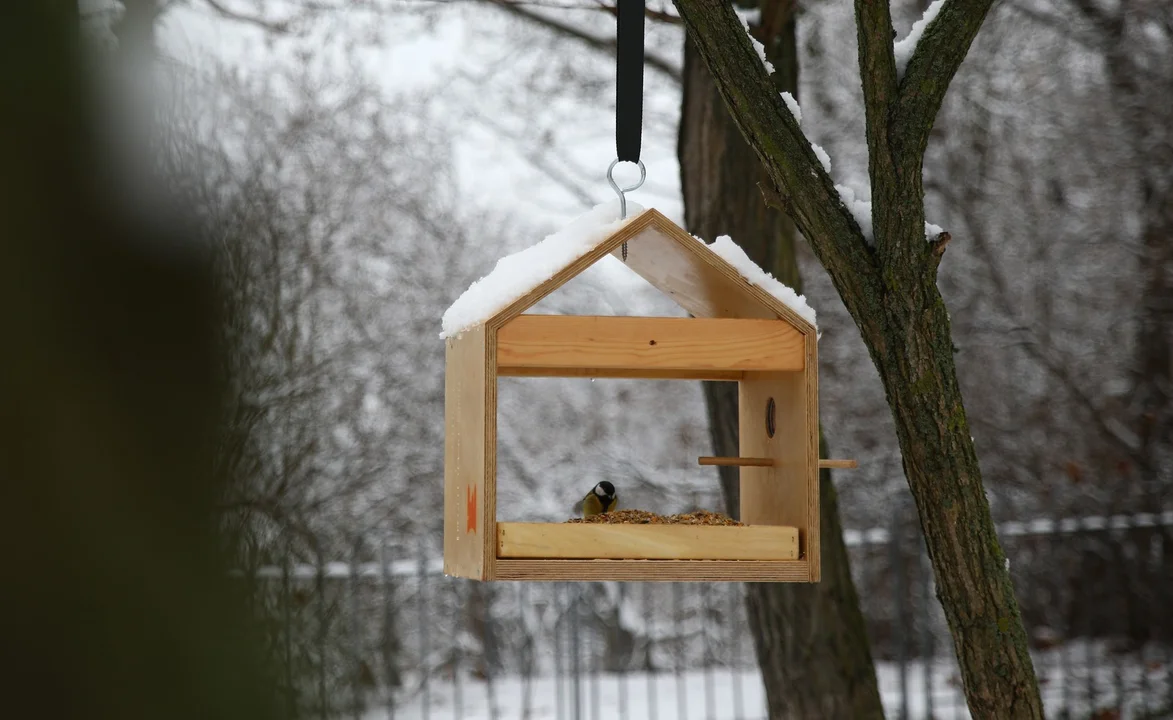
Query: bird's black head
{"x": 605, "y": 491}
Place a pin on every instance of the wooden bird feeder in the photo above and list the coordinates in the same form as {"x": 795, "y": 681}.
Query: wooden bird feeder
{"x": 738, "y": 332}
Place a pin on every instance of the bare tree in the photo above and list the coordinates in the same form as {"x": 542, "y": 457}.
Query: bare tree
{"x": 889, "y": 287}
{"x": 338, "y": 244}
{"x": 804, "y": 677}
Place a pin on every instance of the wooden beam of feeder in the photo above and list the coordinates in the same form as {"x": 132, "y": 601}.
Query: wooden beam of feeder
{"x": 650, "y": 347}
{"x": 769, "y": 462}
{"x": 736, "y": 461}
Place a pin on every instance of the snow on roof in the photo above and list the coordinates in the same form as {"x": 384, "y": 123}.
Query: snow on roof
{"x": 518, "y": 274}
{"x": 732, "y": 253}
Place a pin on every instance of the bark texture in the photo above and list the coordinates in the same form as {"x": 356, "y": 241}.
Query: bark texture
{"x": 811, "y": 641}
{"x": 888, "y": 284}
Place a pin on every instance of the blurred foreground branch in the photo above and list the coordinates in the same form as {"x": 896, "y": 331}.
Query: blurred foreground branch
{"x": 110, "y": 395}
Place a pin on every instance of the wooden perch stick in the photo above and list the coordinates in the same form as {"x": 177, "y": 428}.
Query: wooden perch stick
{"x": 736, "y": 461}
{"x": 839, "y": 464}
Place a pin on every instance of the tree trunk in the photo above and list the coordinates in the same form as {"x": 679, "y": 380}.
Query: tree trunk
{"x": 1154, "y": 345}
{"x": 887, "y": 281}
{"x": 811, "y": 642}
{"x": 1147, "y": 122}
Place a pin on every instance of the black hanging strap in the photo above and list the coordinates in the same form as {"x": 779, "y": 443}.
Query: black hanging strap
{"x": 629, "y": 85}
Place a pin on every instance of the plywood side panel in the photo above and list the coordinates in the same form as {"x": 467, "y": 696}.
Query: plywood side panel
{"x": 489, "y": 538}
{"x": 776, "y": 495}
{"x": 653, "y": 570}
{"x": 465, "y": 385}
{"x": 678, "y": 265}
{"x": 695, "y": 285}
{"x": 699, "y": 280}
{"x": 814, "y": 537}
{"x": 646, "y": 542}
{"x": 631, "y": 228}
{"x": 651, "y": 343}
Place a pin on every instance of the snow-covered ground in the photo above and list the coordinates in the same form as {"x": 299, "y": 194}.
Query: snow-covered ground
{"x": 723, "y": 694}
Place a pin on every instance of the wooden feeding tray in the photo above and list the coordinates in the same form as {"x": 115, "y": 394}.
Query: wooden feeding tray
{"x": 739, "y": 332}
{"x": 563, "y": 541}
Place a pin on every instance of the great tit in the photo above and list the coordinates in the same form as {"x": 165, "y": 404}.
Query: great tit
{"x": 600, "y": 499}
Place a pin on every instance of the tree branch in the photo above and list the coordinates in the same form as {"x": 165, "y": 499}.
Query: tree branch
{"x": 877, "y": 63}
{"x": 877, "y": 71}
{"x": 595, "y": 6}
{"x": 595, "y": 42}
{"x": 779, "y": 143}
{"x": 938, "y": 245}
{"x": 657, "y": 15}
{"x": 938, "y": 54}
{"x": 773, "y": 198}
{"x": 277, "y": 27}
{"x": 900, "y": 313}
{"x": 1109, "y": 23}
{"x": 538, "y": 159}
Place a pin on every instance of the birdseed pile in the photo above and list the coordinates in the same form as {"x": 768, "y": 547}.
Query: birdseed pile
{"x": 643, "y": 517}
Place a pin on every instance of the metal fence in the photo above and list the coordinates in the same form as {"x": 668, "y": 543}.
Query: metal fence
{"x": 377, "y": 637}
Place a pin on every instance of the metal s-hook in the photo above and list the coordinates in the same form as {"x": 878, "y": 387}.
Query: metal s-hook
{"x": 629, "y": 95}
{"x": 621, "y": 192}
{"x": 643, "y": 174}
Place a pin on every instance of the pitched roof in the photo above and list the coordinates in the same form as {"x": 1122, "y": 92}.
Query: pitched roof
{"x": 717, "y": 280}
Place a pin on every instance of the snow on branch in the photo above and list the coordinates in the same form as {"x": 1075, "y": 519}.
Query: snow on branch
{"x": 903, "y": 49}
{"x": 792, "y": 105}
{"x": 861, "y": 210}
{"x": 796, "y": 111}
{"x": 757, "y": 45}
